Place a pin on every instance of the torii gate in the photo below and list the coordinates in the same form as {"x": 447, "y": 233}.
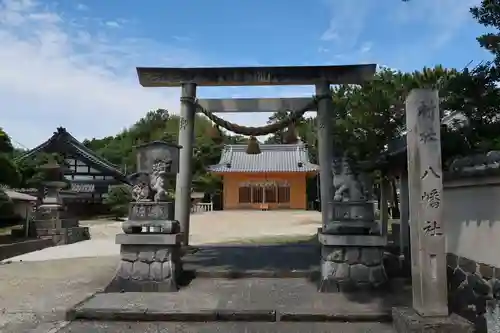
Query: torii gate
{"x": 431, "y": 312}
{"x": 190, "y": 78}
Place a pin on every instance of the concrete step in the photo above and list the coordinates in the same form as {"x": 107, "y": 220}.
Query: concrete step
{"x": 225, "y": 327}
{"x": 246, "y": 299}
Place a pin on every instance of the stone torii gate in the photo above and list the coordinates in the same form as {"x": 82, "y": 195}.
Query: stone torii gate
{"x": 351, "y": 257}
{"x": 190, "y": 78}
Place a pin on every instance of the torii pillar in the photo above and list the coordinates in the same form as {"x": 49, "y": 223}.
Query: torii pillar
{"x": 190, "y": 78}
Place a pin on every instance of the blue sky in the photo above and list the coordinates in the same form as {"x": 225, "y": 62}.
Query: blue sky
{"x": 72, "y": 63}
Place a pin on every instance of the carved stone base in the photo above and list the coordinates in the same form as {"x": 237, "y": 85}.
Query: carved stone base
{"x": 148, "y": 263}
{"x": 352, "y": 268}
{"x": 407, "y": 320}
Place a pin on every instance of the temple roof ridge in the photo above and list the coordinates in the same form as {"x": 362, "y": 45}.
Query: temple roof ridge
{"x": 62, "y": 135}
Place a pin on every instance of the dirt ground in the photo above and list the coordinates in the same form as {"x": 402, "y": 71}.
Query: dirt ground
{"x": 205, "y": 228}
{"x": 38, "y": 287}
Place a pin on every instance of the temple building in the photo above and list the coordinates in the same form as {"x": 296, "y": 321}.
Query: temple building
{"x": 90, "y": 176}
{"x": 273, "y": 179}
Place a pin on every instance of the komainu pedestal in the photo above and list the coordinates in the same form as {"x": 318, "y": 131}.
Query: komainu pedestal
{"x": 148, "y": 263}
{"x": 352, "y": 248}
{"x": 150, "y": 247}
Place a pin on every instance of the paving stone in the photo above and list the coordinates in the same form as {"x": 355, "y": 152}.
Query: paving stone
{"x": 253, "y": 258}
{"x": 205, "y": 299}
{"x": 235, "y": 327}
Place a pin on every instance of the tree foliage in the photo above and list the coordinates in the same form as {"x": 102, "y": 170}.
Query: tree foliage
{"x": 118, "y": 200}
{"x": 9, "y": 175}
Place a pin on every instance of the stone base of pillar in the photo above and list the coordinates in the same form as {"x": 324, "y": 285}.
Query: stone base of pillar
{"x": 148, "y": 263}
{"x": 352, "y": 269}
{"x": 406, "y": 320}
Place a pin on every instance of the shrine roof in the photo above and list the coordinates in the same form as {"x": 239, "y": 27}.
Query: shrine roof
{"x": 62, "y": 137}
{"x": 273, "y": 158}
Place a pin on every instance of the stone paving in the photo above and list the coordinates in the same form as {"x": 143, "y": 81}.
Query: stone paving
{"x": 234, "y": 327}
{"x": 263, "y": 299}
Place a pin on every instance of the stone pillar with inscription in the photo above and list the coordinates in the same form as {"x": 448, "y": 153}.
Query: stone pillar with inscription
{"x": 150, "y": 245}
{"x": 427, "y": 233}
{"x": 186, "y": 138}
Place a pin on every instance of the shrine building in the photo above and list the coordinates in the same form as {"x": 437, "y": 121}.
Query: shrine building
{"x": 273, "y": 179}
{"x": 90, "y": 176}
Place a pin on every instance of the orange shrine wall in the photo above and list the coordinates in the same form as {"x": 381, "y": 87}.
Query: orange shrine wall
{"x": 296, "y": 180}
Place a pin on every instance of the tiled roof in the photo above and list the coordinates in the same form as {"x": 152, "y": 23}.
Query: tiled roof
{"x": 476, "y": 165}
{"x": 273, "y": 158}
{"x": 17, "y": 196}
{"x": 62, "y": 135}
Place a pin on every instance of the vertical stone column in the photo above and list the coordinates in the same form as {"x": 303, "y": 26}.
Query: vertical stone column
{"x": 184, "y": 177}
{"x": 428, "y": 257}
{"x": 325, "y": 152}
{"x": 426, "y": 208}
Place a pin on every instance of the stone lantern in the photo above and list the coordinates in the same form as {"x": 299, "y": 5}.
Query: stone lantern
{"x": 150, "y": 244}
{"x": 51, "y": 219}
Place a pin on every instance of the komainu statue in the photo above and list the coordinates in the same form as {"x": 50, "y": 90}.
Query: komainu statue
{"x": 348, "y": 186}
{"x": 158, "y": 179}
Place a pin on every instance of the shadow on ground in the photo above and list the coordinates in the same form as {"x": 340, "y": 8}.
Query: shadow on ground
{"x": 300, "y": 259}
{"x": 301, "y": 255}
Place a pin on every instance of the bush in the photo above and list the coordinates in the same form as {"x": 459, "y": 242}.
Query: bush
{"x": 7, "y": 216}
{"x": 118, "y": 200}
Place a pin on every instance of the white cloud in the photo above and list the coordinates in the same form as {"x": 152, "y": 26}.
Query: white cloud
{"x": 82, "y": 7}
{"x": 443, "y": 17}
{"x": 113, "y": 24}
{"x": 366, "y": 47}
{"x": 347, "y": 21}
{"x": 54, "y": 72}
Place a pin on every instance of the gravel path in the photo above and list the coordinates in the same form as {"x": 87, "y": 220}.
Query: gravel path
{"x": 214, "y": 227}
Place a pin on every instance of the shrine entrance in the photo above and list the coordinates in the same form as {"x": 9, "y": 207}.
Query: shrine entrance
{"x": 346, "y": 224}
{"x": 191, "y": 78}
{"x": 351, "y": 259}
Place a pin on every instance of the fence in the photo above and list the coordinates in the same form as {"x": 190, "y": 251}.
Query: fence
{"x": 202, "y": 207}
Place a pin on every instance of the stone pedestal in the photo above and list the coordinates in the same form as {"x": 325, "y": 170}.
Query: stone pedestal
{"x": 148, "y": 263}
{"x": 150, "y": 249}
{"x": 352, "y": 249}
{"x": 351, "y": 263}
{"x": 51, "y": 222}
{"x": 407, "y": 320}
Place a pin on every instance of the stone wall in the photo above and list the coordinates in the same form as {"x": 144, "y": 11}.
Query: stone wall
{"x": 65, "y": 235}
{"x": 147, "y": 268}
{"x": 22, "y": 247}
{"x": 473, "y": 289}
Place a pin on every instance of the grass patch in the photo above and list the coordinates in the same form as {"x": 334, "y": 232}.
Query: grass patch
{"x": 272, "y": 240}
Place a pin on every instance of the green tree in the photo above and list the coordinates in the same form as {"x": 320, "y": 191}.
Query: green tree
{"x": 488, "y": 14}
{"x": 118, "y": 200}
{"x": 9, "y": 174}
